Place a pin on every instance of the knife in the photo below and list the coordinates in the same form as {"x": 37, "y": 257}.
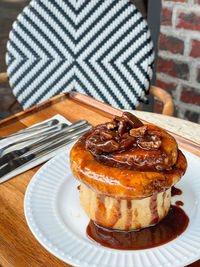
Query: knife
{"x": 21, "y": 161}
{"x": 35, "y": 135}
{"x": 54, "y": 137}
{"x": 33, "y": 129}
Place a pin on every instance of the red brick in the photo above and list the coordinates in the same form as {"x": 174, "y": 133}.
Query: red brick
{"x": 166, "y": 16}
{"x": 171, "y": 44}
{"x": 198, "y": 75}
{"x": 158, "y": 107}
{"x": 190, "y": 95}
{"x": 176, "y": 69}
{"x": 195, "y": 51}
{"x": 189, "y": 21}
{"x": 167, "y": 86}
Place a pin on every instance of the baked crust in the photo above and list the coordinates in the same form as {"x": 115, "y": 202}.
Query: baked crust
{"x": 122, "y": 183}
{"x": 123, "y": 214}
{"x": 126, "y": 170}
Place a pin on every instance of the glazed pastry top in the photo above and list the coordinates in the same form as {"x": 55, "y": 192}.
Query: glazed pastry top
{"x": 126, "y": 159}
{"x": 127, "y": 143}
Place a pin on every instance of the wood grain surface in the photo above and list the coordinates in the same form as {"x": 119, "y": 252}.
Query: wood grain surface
{"x": 18, "y": 247}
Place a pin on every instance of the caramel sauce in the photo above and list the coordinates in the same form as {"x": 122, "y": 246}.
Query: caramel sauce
{"x": 176, "y": 191}
{"x": 166, "y": 230}
{"x": 153, "y": 208}
{"x": 138, "y": 225}
{"x": 129, "y": 215}
{"x": 179, "y": 203}
{"x": 116, "y": 182}
{"x": 127, "y": 143}
{"x": 78, "y": 187}
{"x": 116, "y": 213}
{"x": 101, "y": 210}
{"x": 100, "y": 214}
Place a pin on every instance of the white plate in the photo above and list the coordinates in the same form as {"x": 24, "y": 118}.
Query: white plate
{"x": 56, "y": 219}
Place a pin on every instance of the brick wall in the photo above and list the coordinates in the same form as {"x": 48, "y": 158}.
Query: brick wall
{"x": 178, "y": 65}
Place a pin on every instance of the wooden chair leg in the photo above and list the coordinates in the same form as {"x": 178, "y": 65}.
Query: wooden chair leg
{"x": 165, "y": 98}
{"x": 3, "y": 77}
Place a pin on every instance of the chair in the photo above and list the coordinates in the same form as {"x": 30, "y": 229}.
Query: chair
{"x": 99, "y": 48}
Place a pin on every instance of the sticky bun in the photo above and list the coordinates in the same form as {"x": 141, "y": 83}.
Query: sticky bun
{"x": 126, "y": 170}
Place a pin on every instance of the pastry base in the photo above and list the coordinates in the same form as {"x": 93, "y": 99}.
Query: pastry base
{"x": 121, "y": 214}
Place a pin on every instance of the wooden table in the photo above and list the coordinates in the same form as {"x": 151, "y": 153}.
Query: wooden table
{"x": 18, "y": 247}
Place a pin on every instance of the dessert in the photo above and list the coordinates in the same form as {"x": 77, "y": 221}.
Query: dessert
{"x": 126, "y": 170}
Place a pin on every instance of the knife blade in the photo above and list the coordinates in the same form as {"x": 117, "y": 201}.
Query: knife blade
{"x": 54, "y": 137}
{"x": 21, "y": 161}
{"x": 33, "y": 129}
{"x": 36, "y": 135}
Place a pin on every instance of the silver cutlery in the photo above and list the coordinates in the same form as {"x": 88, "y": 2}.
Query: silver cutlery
{"x": 33, "y": 129}
{"x": 35, "y": 135}
{"x": 52, "y": 130}
{"x": 21, "y": 161}
{"x": 54, "y": 137}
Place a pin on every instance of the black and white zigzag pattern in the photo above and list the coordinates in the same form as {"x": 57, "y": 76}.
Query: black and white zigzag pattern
{"x": 99, "y": 48}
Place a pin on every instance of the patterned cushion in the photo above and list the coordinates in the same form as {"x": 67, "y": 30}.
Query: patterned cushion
{"x": 99, "y": 48}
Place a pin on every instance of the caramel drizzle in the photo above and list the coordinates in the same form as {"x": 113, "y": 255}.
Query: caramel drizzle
{"x": 101, "y": 210}
{"x": 129, "y": 214}
{"x": 153, "y": 208}
{"x": 179, "y": 203}
{"x": 137, "y": 224}
{"x": 115, "y": 213}
{"x": 175, "y": 191}
{"x": 101, "y": 213}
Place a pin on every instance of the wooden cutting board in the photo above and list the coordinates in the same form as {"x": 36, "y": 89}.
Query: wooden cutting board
{"x": 18, "y": 247}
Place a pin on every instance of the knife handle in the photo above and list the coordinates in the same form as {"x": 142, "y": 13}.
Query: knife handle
{"x": 14, "y": 164}
{"x": 9, "y": 156}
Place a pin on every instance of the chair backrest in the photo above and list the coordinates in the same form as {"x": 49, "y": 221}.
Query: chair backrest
{"x": 99, "y": 48}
